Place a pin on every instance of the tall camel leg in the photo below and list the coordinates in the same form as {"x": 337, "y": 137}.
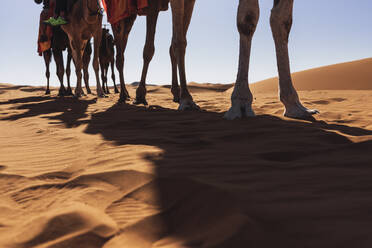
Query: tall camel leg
{"x": 175, "y": 88}
{"x": 121, "y": 31}
{"x": 58, "y": 58}
{"x": 97, "y": 43}
{"x": 86, "y": 78}
{"x": 113, "y": 75}
{"x": 281, "y": 23}
{"x": 181, "y": 15}
{"x": 148, "y": 54}
{"x": 106, "y": 80}
{"x": 77, "y": 46}
{"x": 241, "y": 98}
{"x": 86, "y": 61}
{"x": 47, "y": 58}
{"x": 68, "y": 72}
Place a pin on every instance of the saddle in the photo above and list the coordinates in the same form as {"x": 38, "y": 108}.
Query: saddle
{"x": 120, "y": 9}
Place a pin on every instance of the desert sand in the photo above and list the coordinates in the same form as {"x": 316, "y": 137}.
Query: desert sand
{"x": 90, "y": 173}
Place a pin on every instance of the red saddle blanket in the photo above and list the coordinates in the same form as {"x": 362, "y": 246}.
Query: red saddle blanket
{"x": 119, "y": 9}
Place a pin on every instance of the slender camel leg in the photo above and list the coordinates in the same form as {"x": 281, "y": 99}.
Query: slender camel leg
{"x": 175, "y": 88}
{"x": 58, "y": 58}
{"x": 86, "y": 61}
{"x": 113, "y": 75}
{"x": 47, "y": 58}
{"x": 148, "y": 54}
{"x": 241, "y": 98}
{"x": 181, "y": 15}
{"x": 102, "y": 65}
{"x": 281, "y": 23}
{"x": 121, "y": 32}
{"x": 97, "y": 44}
{"x": 106, "y": 80}
{"x": 68, "y": 72}
{"x": 77, "y": 47}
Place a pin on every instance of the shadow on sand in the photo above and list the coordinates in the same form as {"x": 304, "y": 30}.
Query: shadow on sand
{"x": 264, "y": 182}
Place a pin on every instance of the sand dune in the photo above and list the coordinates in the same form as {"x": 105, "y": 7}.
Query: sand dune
{"x": 90, "y": 173}
{"x": 356, "y": 75}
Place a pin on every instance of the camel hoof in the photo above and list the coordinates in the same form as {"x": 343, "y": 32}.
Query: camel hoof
{"x": 116, "y": 91}
{"x": 89, "y": 91}
{"x": 69, "y": 92}
{"x": 101, "y": 95}
{"x": 139, "y": 101}
{"x": 297, "y": 111}
{"x": 47, "y": 92}
{"x": 188, "y": 105}
{"x": 239, "y": 111}
{"x": 62, "y": 92}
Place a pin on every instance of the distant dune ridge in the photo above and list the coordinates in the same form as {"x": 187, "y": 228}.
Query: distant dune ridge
{"x": 91, "y": 173}
{"x": 356, "y": 75}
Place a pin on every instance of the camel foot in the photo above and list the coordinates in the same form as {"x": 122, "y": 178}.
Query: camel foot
{"x": 69, "y": 92}
{"x": 62, "y": 91}
{"x": 124, "y": 96}
{"x": 89, "y": 91}
{"x": 116, "y": 90}
{"x": 139, "y": 101}
{"x": 47, "y": 92}
{"x": 176, "y": 94}
{"x": 188, "y": 104}
{"x": 101, "y": 94}
{"x": 79, "y": 93}
{"x": 238, "y": 111}
{"x": 298, "y": 111}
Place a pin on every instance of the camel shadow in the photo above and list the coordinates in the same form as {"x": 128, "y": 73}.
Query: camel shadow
{"x": 263, "y": 181}
{"x": 69, "y": 109}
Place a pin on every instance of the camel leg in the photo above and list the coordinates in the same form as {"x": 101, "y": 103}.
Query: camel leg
{"x": 58, "y": 58}
{"x": 175, "y": 88}
{"x": 241, "y": 98}
{"x": 281, "y": 23}
{"x": 68, "y": 72}
{"x": 97, "y": 43}
{"x": 113, "y": 75}
{"x": 102, "y": 65}
{"x": 121, "y": 33}
{"x": 86, "y": 76}
{"x": 148, "y": 54}
{"x": 86, "y": 61}
{"x": 181, "y": 15}
{"x": 47, "y": 58}
{"x": 77, "y": 46}
{"x": 105, "y": 84}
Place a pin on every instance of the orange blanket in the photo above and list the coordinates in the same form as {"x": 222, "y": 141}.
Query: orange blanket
{"x": 44, "y": 41}
{"x": 119, "y": 9}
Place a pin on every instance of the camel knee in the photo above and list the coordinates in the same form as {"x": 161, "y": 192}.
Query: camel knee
{"x": 281, "y": 20}
{"x": 247, "y": 19}
{"x": 179, "y": 44}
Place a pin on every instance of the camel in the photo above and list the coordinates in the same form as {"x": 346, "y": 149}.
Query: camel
{"x": 247, "y": 19}
{"x": 59, "y": 43}
{"x": 85, "y": 22}
{"x": 121, "y": 31}
{"x": 106, "y": 58}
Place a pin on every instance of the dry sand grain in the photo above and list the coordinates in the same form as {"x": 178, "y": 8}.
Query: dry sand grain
{"x": 88, "y": 174}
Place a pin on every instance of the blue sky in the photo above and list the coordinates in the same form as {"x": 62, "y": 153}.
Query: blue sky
{"x": 324, "y": 32}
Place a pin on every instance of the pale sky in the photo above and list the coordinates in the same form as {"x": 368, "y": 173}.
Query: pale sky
{"x": 324, "y": 32}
